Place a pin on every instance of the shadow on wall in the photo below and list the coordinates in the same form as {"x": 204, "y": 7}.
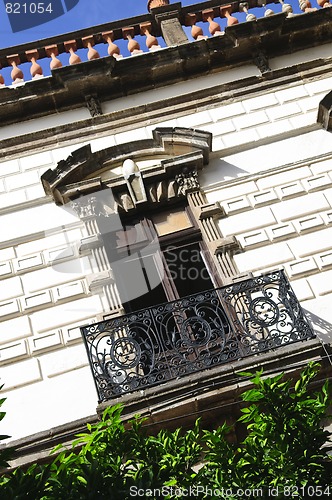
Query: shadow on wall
{"x": 322, "y": 328}
{"x": 220, "y": 170}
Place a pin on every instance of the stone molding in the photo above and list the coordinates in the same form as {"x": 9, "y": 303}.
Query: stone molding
{"x": 173, "y": 107}
{"x": 73, "y": 176}
{"x": 274, "y": 35}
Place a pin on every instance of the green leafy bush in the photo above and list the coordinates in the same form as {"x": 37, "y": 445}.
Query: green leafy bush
{"x": 284, "y": 454}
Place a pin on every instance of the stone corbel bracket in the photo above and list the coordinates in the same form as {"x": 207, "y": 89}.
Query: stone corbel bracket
{"x": 325, "y": 112}
{"x": 89, "y": 243}
{"x": 214, "y": 210}
{"x": 97, "y": 282}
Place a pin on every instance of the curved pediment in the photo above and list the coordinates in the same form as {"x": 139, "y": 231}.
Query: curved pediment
{"x": 166, "y": 154}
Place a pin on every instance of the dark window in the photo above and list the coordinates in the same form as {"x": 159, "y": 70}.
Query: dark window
{"x": 173, "y": 265}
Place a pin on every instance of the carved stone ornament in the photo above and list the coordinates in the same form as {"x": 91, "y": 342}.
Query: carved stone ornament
{"x": 262, "y": 62}
{"x": 91, "y": 207}
{"x": 80, "y": 173}
{"x": 187, "y": 181}
{"x": 93, "y": 105}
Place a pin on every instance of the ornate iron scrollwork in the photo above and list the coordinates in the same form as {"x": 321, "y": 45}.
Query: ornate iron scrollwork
{"x": 207, "y": 329}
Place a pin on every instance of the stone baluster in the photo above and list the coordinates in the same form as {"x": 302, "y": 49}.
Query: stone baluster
{"x": 196, "y": 31}
{"x": 16, "y": 74}
{"x": 133, "y": 45}
{"x": 71, "y": 47}
{"x": 52, "y": 52}
{"x": 268, "y": 12}
{"x": 35, "y": 70}
{"x": 286, "y": 8}
{"x": 153, "y": 4}
{"x": 226, "y": 11}
{"x": 88, "y": 42}
{"x": 305, "y": 6}
{"x": 151, "y": 41}
{"x": 214, "y": 27}
{"x": 243, "y": 7}
{"x": 113, "y": 49}
{"x": 324, "y": 3}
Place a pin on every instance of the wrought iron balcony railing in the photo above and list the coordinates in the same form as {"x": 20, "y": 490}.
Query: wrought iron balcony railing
{"x": 171, "y": 340}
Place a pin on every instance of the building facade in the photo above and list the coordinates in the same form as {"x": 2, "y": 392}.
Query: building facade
{"x": 194, "y": 161}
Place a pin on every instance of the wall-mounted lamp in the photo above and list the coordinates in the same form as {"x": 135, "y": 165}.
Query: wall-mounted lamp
{"x": 133, "y": 177}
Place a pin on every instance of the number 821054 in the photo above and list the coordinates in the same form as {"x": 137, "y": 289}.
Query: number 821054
{"x": 29, "y": 8}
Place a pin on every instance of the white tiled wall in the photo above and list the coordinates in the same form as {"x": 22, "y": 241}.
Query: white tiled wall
{"x": 271, "y": 169}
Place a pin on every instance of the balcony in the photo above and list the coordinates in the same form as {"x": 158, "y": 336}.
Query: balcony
{"x": 195, "y": 333}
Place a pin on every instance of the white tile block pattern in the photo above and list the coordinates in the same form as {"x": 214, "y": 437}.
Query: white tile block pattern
{"x": 35, "y": 220}
{"x": 10, "y": 288}
{"x": 9, "y": 167}
{"x": 22, "y": 373}
{"x": 64, "y": 360}
{"x": 232, "y": 191}
{"x": 250, "y": 120}
{"x": 284, "y": 111}
{"x": 322, "y": 283}
{"x": 261, "y": 257}
{"x": 291, "y": 93}
{"x": 281, "y": 231}
{"x": 312, "y": 243}
{"x": 58, "y": 273}
{"x": 321, "y": 166}
{"x": 14, "y": 198}
{"x": 228, "y": 111}
{"x": 9, "y": 307}
{"x": 5, "y": 269}
{"x": 36, "y": 160}
{"x": 285, "y": 177}
{"x": 263, "y": 198}
{"x": 324, "y": 260}
{"x": 28, "y": 263}
{"x": 290, "y": 190}
{"x": 37, "y": 300}
{"x": 247, "y": 221}
{"x": 317, "y": 182}
{"x": 70, "y": 290}
{"x": 22, "y": 180}
{"x": 261, "y": 102}
{"x": 45, "y": 342}
{"x": 12, "y": 352}
{"x": 68, "y": 313}
{"x": 302, "y": 289}
{"x": 237, "y": 205}
{"x": 308, "y": 223}
{"x": 62, "y": 239}
{"x": 254, "y": 238}
{"x": 297, "y": 207}
{"x": 14, "y": 329}
{"x": 301, "y": 267}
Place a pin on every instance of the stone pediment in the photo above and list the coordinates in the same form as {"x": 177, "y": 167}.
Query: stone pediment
{"x": 175, "y": 150}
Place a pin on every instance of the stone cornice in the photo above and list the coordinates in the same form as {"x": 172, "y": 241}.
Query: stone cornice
{"x": 172, "y": 107}
{"x": 242, "y": 44}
